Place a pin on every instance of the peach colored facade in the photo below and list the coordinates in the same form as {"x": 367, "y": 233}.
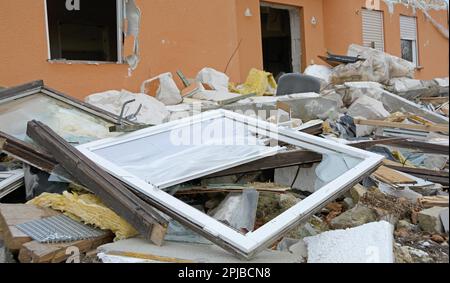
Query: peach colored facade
{"x": 192, "y": 34}
{"x": 343, "y": 25}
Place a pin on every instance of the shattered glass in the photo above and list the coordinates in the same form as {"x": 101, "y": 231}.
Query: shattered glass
{"x": 73, "y": 124}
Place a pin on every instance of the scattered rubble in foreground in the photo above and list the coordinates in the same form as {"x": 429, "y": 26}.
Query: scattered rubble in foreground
{"x": 342, "y": 164}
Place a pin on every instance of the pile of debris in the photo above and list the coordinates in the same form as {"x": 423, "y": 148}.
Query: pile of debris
{"x": 342, "y": 164}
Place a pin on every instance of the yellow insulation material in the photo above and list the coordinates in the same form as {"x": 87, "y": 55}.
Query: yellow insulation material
{"x": 258, "y": 82}
{"x": 89, "y": 209}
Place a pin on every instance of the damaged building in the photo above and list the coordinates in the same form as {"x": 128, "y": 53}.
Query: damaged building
{"x": 135, "y": 40}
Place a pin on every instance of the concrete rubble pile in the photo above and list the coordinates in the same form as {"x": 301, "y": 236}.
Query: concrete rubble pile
{"x": 356, "y": 172}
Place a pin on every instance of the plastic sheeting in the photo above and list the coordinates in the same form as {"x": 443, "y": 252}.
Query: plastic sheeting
{"x": 180, "y": 153}
{"x": 239, "y": 210}
{"x": 378, "y": 67}
{"x": 74, "y": 125}
{"x": 333, "y": 166}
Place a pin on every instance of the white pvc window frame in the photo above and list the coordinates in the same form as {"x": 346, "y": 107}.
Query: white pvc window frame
{"x": 251, "y": 243}
{"x": 12, "y": 181}
{"x": 120, "y": 8}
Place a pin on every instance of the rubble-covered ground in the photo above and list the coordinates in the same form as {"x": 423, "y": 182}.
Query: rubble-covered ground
{"x": 375, "y": 101}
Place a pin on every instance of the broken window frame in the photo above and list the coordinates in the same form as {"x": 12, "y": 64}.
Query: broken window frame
{"x": 13, "y": 180}
{"x": 38, "y": 87}
{"x": 245, "y": 246}
{"x": 120, "y": 7}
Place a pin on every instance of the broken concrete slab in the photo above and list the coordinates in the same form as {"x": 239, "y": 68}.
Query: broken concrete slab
{"x": 214, "y": 79}
{"x": 184, "y": 253}
{"x": 305, "y": 106}
{"x": 392, "y": 102}
{"x": 406, "y": 254}
{"x": 430, "y": 220}
{"x": 444, "y": 219}
{"x": 305, "y": 180}
{"x": 357, "y": 216}
{"x": 163, "y": 88}
{"x": 323, "y": 73}
{"x": 412, "y": 89}
{"x": 358, "y": 192}
{"x": 215, "y": 96}
{"x": 153, "y": 112}
{"x": 370, "y": 243}
{"x": 367, "y": 108}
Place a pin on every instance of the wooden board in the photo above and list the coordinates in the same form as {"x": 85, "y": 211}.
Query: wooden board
{"x": 440, "y": 177}
{"x": 391, "y": 176}
{"x": 280, "y": 160}
{"x": 429, "y": 202}
{"x": 15, "y": 214}
{"x": 35, "y": 252}
{"x": 385, "y": 124}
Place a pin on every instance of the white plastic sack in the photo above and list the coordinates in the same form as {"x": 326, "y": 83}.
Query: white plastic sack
{"x": 215, "y": 79}
{"x": 168, "y": 92}
{"x": 398, "y": 67}
{"x": 153, "y": 112}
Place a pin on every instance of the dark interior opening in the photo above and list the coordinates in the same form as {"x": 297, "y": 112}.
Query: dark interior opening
{"x": 276, "y": 40}
{"x": 88, "y": 34}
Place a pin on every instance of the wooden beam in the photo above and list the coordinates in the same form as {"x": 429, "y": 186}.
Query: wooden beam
{"x": 27, "y": 153}
{"x": 17, "y": 90}
{"x": 430, "y": 128}
{"x": 112, "y": 192}
{"x": 280, "y": 160}
{"x": 429, "y": 202}
{"x": 440, "y": 177}
{"x": 424, "y": 147}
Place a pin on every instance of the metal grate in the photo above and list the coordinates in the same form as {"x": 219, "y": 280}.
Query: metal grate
{"x": 58, "y": 229}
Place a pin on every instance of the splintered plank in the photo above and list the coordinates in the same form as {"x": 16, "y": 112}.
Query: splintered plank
{"x": 390, "y": 176}
{"x": 15, "y": 214}
{"x": 429, "y": 202}
{"x": 35, "y": 252}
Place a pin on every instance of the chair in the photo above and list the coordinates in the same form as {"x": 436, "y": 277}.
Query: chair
{"x": 297, "y": 83}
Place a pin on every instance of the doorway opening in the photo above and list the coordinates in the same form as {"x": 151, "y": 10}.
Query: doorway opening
{"x": 280, "y": 27}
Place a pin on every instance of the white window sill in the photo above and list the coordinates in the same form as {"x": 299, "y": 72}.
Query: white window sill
{"x": 81, "y": 62}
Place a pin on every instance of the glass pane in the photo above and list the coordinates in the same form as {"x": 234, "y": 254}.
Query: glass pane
{"x": 73, "y": 124}
{"x": 185, "y": 151}
{"x": 407, "y": 50}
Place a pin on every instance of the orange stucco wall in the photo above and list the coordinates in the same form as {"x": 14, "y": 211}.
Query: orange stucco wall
{"x": 343, "y": 26}
{"x": 192, "y": 34}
